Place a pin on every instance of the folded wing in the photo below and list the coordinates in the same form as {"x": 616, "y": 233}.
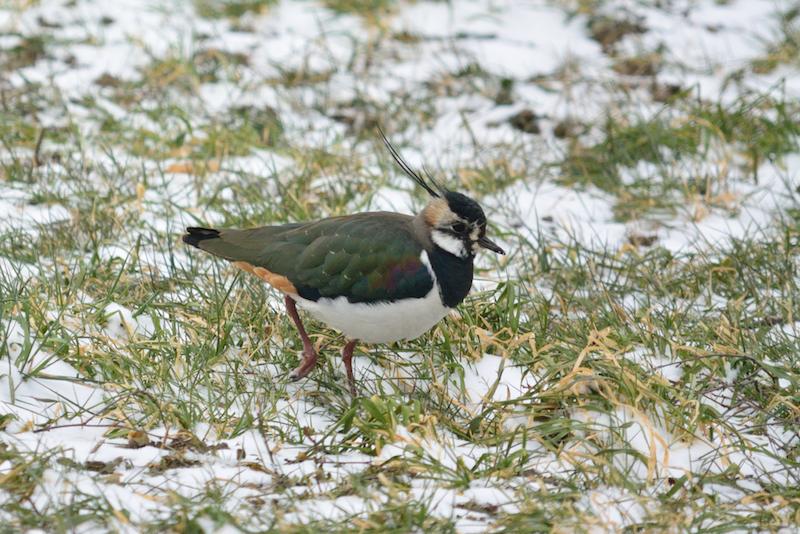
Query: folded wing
{"x": 365, "y": 258}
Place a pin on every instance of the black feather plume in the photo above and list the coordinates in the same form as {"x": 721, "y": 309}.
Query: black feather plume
{"x": 408, "y": 170}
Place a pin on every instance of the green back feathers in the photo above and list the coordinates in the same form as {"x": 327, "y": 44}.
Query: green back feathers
{"x": 369, "y": 257}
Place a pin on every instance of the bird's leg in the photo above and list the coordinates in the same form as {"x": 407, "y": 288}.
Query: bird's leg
{"x": 347, "y": 357}
{"x": 309, "y": 354}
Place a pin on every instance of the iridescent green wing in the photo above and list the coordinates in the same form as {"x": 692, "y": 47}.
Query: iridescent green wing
{"x": 369, "y": 257}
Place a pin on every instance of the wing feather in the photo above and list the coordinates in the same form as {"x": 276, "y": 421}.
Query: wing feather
{"x": 370, "y": 257}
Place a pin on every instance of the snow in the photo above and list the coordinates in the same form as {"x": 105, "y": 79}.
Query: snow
{"x": 548, "y": 209}
{"x": 508, "y": 38}
{"x": 670, "y": 456}
{"x": 20, "y": 214}
{"x": 665, "y": 366}
{"x": 615, "y": 509}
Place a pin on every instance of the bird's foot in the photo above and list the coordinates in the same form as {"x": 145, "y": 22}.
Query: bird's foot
{"x": 306, "y": 365}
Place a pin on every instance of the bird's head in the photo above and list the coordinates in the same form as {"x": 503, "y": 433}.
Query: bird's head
{"x": 458, "y": 225}
{"x": 456, "y": 222}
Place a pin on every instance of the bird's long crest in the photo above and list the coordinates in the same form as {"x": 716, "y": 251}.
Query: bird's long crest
{"x": 411, "y": 173}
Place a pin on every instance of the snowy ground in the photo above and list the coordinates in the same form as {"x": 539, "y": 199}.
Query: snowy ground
{"x": 632, "y": 363}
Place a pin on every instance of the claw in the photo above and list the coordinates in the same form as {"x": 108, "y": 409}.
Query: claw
{"x": 306, "y": 366}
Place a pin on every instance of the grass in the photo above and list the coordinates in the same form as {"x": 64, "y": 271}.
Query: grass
{"x": 230, "y": 8}
{"x": 188, "y": 358}
{"x": 755, "y": 127}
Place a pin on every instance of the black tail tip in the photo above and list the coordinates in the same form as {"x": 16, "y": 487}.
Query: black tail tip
{"x": 196, "y": 234}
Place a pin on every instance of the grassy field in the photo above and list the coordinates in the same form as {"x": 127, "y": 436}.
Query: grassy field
{"x": 630, "y": 365}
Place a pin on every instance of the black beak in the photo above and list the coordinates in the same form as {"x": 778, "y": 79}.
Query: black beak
{"x": 487, "y": 243}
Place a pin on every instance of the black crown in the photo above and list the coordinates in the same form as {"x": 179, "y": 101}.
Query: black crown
{"x": 465, "y": 207}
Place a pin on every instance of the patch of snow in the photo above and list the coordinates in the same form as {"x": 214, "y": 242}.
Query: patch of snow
{"x": 615, "y": 509}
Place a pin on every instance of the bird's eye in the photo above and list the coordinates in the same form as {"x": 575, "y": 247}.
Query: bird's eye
{"x": 458, "y": 227}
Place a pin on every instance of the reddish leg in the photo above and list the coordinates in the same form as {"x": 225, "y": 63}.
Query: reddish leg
{"x": 347, "y": 357}
{"x": 309, "y": 354}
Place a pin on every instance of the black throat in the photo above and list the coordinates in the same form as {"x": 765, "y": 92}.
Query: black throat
{"x": 453, "y": 274}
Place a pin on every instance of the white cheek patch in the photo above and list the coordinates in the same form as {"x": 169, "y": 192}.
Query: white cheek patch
{"x": 449, "y": 243}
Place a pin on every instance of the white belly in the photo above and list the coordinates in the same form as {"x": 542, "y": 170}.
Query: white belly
{"x": 379, "y": 323}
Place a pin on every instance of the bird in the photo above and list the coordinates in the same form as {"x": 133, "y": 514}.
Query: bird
{"x": 376, "y": 277}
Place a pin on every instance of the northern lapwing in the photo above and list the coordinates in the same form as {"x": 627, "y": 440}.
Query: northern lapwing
{"x": 377, "y": 277}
